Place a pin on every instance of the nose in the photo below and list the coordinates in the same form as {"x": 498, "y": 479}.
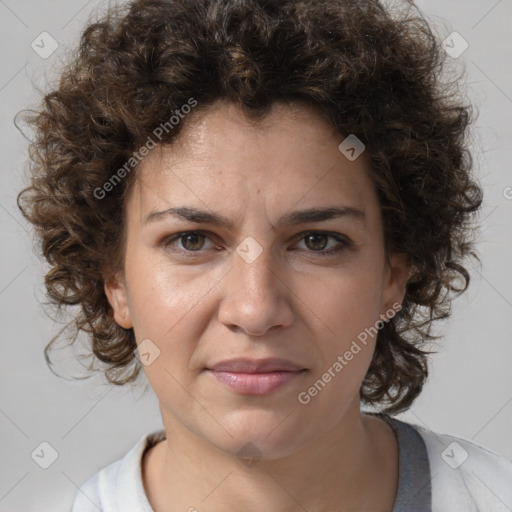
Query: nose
{"x": 256, "y": 296}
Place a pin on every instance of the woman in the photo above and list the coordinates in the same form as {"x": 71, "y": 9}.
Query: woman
{"x": 257, "y": 203}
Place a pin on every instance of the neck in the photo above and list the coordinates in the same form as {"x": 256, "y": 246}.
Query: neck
{"x": 353, "y": 466}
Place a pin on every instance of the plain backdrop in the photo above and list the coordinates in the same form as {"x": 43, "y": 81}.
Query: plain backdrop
{"x": 89, "y": 424}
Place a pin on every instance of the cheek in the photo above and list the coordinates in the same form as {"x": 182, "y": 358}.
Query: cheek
{"x": 165, "y": 296}
{"x": 346, "y": 308}
{"x": 349, "y": 309}
{"x": 170, "y": 305}
{"x": 345, "y": 302}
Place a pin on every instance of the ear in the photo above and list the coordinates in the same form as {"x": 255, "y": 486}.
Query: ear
{"x": 396, "y": 277}
{"x": 117, "y": 295}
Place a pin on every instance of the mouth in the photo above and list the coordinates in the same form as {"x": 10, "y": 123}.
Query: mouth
{"x": 256, "y": 377}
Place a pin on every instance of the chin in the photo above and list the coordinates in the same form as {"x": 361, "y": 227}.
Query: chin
{"x": 263, "y": 434}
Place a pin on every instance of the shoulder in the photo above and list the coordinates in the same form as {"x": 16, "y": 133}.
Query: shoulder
{"x": 96, "y": 493}
{"x": 117, "y": 486}
{"x": 466, "y": 476}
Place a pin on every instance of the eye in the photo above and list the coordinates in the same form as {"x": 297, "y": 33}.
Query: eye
{"x": 194, "y": 241}
{"x": 317, "y": 241}
{"x": 191, "y": 241}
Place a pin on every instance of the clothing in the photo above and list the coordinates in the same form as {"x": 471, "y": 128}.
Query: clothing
{"x": 437, "y": 473}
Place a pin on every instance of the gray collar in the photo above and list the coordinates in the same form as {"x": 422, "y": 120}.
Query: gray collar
{"x": 414, "y": 480}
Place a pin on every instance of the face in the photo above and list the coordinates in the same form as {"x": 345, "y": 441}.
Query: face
{"x": 261, "y": 284}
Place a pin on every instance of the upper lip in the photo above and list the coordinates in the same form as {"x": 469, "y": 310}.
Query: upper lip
{"x": 256, "y": 365}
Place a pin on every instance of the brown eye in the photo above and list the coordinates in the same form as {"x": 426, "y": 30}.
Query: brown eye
{"x": 317, "y": 242}
{"x": 192, "y": 241}
{"x": 186, "y": 243}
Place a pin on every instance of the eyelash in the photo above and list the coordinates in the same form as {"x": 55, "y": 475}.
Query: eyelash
{"x": 344, "y": 243}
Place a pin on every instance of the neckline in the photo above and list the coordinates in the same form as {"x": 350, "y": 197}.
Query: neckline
{"x": 414, "y": 476}
{"x": 414, "y": 488}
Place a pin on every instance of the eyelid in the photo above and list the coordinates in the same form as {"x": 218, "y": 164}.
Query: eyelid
{"x": 167, "y": 241}
{"x": 344, "y": 242}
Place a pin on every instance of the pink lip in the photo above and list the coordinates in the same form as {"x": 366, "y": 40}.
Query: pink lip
{"x": 267, "y": 365}
{"x": 255, "y": 383}
{"x": 255, "y": 377}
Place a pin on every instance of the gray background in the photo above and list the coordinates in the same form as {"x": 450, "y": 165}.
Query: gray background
{"x": 90, "y": 424}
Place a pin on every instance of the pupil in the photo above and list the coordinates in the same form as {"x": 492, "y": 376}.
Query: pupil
{"x": 316, "y": 237}
{"x": 317, "y": 244}
{"x": 191, "y": 236}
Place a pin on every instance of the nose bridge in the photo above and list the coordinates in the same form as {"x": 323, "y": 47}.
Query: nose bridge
{"x": 254, "y": 267}
{"x": 255, "y": 298}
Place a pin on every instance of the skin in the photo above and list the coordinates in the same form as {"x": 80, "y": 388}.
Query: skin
{"x": 290, "y": 302}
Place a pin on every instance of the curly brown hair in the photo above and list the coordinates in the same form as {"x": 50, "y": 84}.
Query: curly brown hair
{"x": 370, "y": 72}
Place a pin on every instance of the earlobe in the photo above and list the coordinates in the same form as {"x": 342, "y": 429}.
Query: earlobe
{"x": 398, "y": 272}
{"x": 115, "y": 290}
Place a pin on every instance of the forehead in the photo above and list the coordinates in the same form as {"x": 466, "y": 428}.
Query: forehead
{"x": 224, "y": 161}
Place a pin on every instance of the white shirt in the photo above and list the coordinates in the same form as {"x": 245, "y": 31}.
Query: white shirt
{"x": 437, "y": 473}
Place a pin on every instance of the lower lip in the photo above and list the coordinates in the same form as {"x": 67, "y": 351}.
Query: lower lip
{"x": 255, "y": 383}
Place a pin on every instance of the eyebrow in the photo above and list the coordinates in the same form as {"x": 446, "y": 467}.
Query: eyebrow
{"x": 290, "y": 218}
